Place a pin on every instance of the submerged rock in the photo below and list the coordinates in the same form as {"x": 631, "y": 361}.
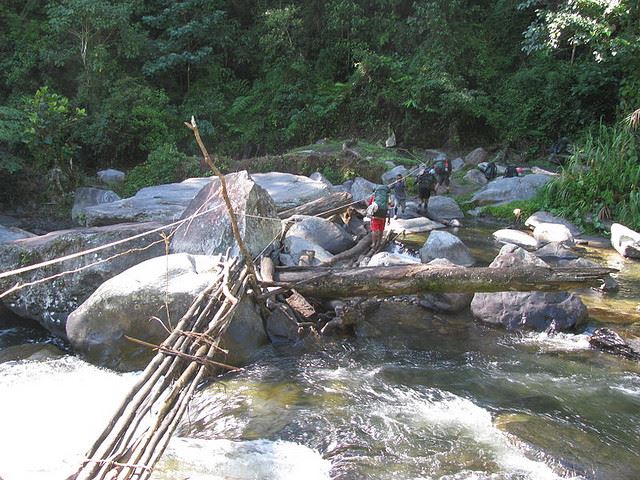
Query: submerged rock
{"x": 541, "y": 311}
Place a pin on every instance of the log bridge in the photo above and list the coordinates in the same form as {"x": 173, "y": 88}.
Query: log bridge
{"x": 140, "y": 429}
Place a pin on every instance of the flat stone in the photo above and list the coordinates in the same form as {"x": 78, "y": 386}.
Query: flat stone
{"x": 505, "y": 190}
{"x": 413, "y": 225}
{"x": 288, "y": 190}
{"x": 515, "y": 237}
{"x": 545, "y": 217}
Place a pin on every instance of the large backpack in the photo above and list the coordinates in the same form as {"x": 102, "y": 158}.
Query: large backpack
{"x": 491, "y": 171}
{"x": 441, "y": 166}
{"x": 511, "y": 171}
{"x": 381, "y": 197}
{"x": 426, "y": 181}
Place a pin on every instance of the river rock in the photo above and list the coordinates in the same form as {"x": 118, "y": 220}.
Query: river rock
{"x": 609, "y": 341}
{"x": 281, "y": 329}
{"x": 475, "y": 177}
{"x": 556, "y": 251}
{"x": 445, "y": 208}
{"x": 445, "y": 302}
{"x": 111, "y": 176}
{"x": 362, "y": 189}
{"x": 457, "y": 164}
{"x": 541, "y": 311}
{"x": 390, "y": 175}
{"x": 386, "y": 259}
{"x": 288, "y": 190}
{"x": 446, "y": 245}
{"x": 50, "y": 303}
{"x": 545, "y": 217}
{"x": 135, "y": 303}
{"x": 515, "y": 237}
{"x": 319, "y": 177}
{"x": 413, "y": 225}
{"x": 211, "y": 232}
{"x": 552, "y": 232}
{"x": 505, "y": 190}
{"x": 9, "y": 234}
{"x": 475, "y": 157}
{"x": 321, "y": 232}
{"x": 161, "y": 203}
{"x": 297, "y": 247}
{"x": 88, "y": 197}
{"x": 625, "y": 241}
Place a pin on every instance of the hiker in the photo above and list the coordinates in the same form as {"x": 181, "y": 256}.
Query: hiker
{"x": 442, "y": 167}
{"x": 399, "y": 195}
{"x": 426, "y": 182}
{"x": 377, "y": 210}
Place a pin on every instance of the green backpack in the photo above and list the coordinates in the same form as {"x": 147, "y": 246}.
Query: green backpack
{"x": 381, "y": 197}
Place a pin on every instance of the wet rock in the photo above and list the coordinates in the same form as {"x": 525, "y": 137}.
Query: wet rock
{"x": 161, "y": 203}
{"x": 211, "y": 232}
{"x": 475, "y": 157}
{"x": 111, "y": 176}
{"x": 445, "y": 245}
{"x": 445, "y": 302}
{"x": 321, "y": 232}
{"x": 553, "y": 232}
{"x": 445, "y": 208}
{"x": 541, "y": 311}
{"x": 414, "y": 225}
{"x": 50, "y": 303}
{"x": 505, "y": 190}
{"x": 39, "y": 352}
{"x": 88, "y": 197}
{"x": 609, "y": 341}
{"x": 545, "y": 217}
{"x": 515, "y": 237}
{"x": 288, "y": 190}
{"x": 625, "y": 241}
{"x": 144, "y": 302}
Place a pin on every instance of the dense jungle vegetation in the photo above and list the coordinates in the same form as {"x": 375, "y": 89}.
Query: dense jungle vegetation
{"x": 90, "y": 84}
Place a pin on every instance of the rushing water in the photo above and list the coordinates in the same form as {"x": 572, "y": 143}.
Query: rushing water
{"x": 454, "y": 400}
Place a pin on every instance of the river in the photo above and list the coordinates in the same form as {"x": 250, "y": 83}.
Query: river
{"x": 453, "y": 400}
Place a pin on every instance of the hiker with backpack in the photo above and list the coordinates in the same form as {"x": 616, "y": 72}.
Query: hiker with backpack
{"x": 442, "y": 168}
{"x": 377, "y": 210}
{"x": 490, "y": 170}
{"x": 399, "y": 195}
{"x": 426, "y": 182}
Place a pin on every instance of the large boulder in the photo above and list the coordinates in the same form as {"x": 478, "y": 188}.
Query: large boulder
{"x": 296, "y": 247}
{"x": 475, "y": 157}
{"x": 111, "y": 176}
{"x": 322, "y": 232}
{"x": 446, "y": 245}
{"x": 211, "y": 233}
{"x": 625, "y": 241}
{"x": 552, "y": 232}
{"x": 545, "y": 217}
{"x": 413, "y": 225}
{"x": 49, "y": 303}
{"x": 539, "y": 311}
{"x": 445, "y": 302}
{"x": 288, "y": 190}
{"x": 88, "y": 197}
{"x": 390, "y": 175}
{"x": 161, "y": 203}
{"x": 505, "y": 190}
{"x": 457, "y": 164}
{"x": 144, "y": 302}
{"x": 475, "y": 177}
{"x": 362, "y": 189}
{"x": 9, "y": 234}
{"x": 515, "y": 237}
{"x": 445, "y": 208}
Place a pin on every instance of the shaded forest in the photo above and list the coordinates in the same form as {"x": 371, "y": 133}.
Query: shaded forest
{"x": 91, "y": 84}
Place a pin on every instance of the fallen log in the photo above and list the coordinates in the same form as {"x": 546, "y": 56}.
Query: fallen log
{"x": 322, "y": 207}
{"x": 328, "y": 282}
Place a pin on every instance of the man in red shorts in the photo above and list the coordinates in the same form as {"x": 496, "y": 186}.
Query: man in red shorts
{"x": 379, "y": 215}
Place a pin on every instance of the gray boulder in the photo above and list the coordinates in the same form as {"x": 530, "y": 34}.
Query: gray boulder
{"x": 144, "y": 302}
{"x": 556, "y": 251}
{"x": 288, "y": 190}
{"x": 296, "y": 247}
{"x": 362, "y": 189}
{"x": 88, "y": 197}
{"x": 505, "y": 190}
{"x": 319, "y": 177}
{"x": 625, "y": 241}
{"x": 111, "y": 176}
{"x": 475, "y": 177}
{"x": 390, "y": 176}
{"x": 413, "y": 225}
{"x": 445, "y": 208}
{"x": 539, "y": 311}
{"x": 162, "y": 203}
{"x": 211, "y": 233}
{"x": 545, "y": 217}
{"x": 9, "y": 234}
{"x": 445, "y": 302}
{"x": 457, "y": 164}
{"x": 515, "y": 237}
{"x": 322, "y": 232}
{"x": 49, "y": 303}
{"x": 552, "y": 232}
{"x": 445, "y": 245}
{"x": 475, "y": 157}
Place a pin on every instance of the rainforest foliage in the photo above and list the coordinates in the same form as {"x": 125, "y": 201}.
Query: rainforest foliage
{"x": 90, "y": 84}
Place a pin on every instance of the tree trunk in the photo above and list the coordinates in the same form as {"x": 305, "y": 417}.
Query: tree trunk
{"x": 322, "y": 207}
{"x": 322, "y": 282}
